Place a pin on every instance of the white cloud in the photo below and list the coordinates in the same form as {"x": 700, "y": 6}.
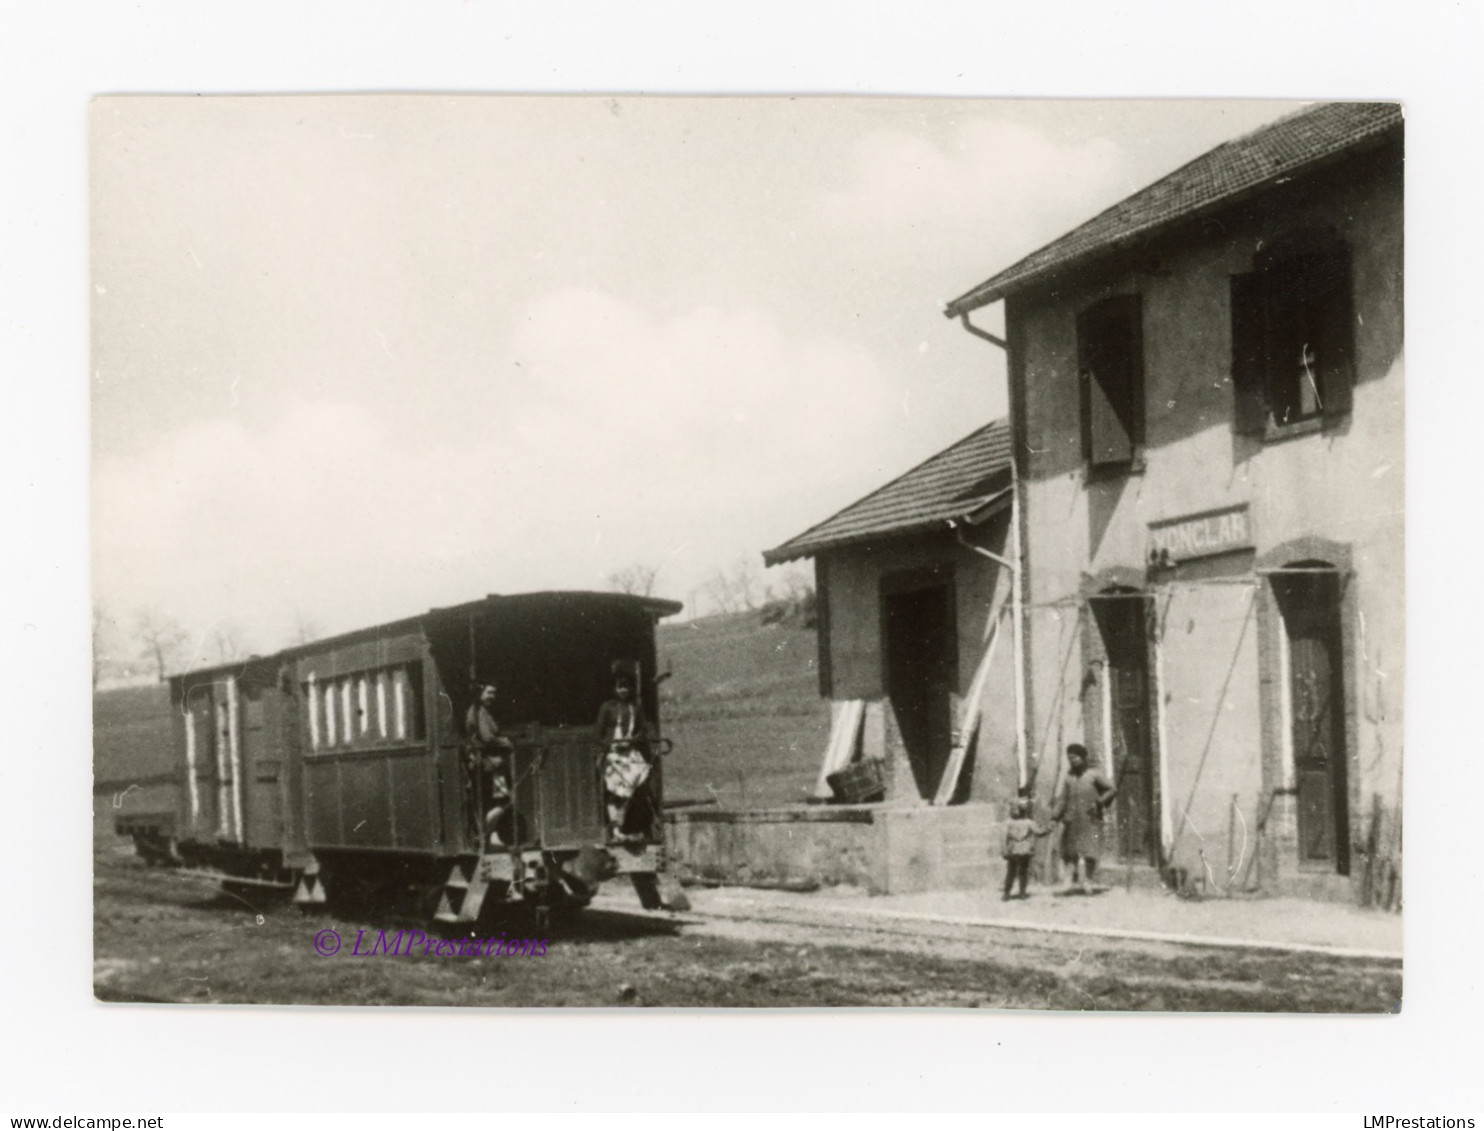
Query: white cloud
{"x": 999, "y": 178}
{"x": 223, "y": 522}
{"x": 723, "y": 393}
{"x": 625, "y": 436}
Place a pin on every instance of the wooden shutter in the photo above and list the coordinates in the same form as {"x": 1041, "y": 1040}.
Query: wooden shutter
{"x": 1129, "y": 312}
{"x": 1110, "y": 371}
{"x": 1335, "y": 312}
{"x": 1249, "y": 355}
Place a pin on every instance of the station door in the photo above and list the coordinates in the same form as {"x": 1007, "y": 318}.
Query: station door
{"x": 1124, "y": 622}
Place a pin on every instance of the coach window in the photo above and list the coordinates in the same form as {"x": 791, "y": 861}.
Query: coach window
{"x": 1110, "y": 366}
{"x": 383, "y": 678}
{"x": 347, "y": 713}
{"x": 399, "y": 702}
{"x": 1293, "y": 336}
{"x": 407, "y": 702}
{"x": 311, "y": 705}
{"x": 363, "y": 707}
{"x": 331, "y": 717}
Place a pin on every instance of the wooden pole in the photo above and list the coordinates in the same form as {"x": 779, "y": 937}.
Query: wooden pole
{"x": 1372, "y": 846}
{"x": 1231, "y": 845}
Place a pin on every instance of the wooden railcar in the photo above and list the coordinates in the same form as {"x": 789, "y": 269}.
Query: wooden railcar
{"x": 341, "y": 769}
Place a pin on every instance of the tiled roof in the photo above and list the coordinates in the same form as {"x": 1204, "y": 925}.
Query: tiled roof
{"x": 956, "y": 482}
{"x": 1231, "y": 170}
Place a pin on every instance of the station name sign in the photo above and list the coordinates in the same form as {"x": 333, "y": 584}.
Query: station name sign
{"x": 1200, "y": 535}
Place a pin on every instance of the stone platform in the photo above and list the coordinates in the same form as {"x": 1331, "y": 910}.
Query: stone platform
{"x": 884, "y": 849}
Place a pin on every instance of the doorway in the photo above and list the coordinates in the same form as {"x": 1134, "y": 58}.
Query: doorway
{"x": 1309, "y": 601}
{"x": 921, "y": 647}
{"x": 1123, "y": 619}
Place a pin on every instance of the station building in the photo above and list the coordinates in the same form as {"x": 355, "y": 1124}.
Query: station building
{"x": 913, "y": 607}
{"x": 912, "y": 601}
{"x": 1206, "y": 409}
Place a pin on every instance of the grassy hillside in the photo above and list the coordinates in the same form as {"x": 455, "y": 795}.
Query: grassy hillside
{"x": 733, "y": 665}
{"x": 131, "y": 734}
{"x": 133, "y": 755}
{"x": 744, "y": 710}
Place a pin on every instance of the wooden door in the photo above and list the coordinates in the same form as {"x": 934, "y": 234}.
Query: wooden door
{"x": 1124, "y": 624}
{"x": 562, "y": 804}
{"x": 1310, "y": 605}
{"x": 262, "y": 759}
{"x": 921, "y": 648}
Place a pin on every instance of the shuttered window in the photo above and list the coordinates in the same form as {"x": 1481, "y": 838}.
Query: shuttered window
{"x": 1110, "y": 365}
{"x": 1293, "y": 340}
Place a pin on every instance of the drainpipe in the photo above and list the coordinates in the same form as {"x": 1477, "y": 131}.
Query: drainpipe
{"x": 1015, "y": 610}
{"x": 985, "y": 334}
{"x": 1017, "y": 575}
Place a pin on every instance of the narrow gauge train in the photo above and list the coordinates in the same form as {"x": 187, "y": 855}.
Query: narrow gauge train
{"x": 342, "y": 770}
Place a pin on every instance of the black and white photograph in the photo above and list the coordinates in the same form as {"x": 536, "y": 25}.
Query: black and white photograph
{"x": 620, "y": 551}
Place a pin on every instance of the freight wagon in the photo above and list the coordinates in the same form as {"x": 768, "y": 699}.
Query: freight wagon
{"x": 341, "y": 770}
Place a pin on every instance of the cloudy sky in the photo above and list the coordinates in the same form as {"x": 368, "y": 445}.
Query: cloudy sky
{"x": 357, "y": 356}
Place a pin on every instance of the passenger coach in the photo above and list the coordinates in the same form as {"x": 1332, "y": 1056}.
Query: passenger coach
{"x": 341, "y": 769}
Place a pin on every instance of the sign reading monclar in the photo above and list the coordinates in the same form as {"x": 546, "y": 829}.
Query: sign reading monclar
{"x": 1200, "y": 535}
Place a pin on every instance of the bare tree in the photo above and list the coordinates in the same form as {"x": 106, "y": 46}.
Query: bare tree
{"x": 745, "y": 581}
{"x": 791, "y": 583}
{"x": 160, "y": 638}
{"x": 228, "y": 642}
{"x": 790, "y": 597}
{"x": 733, "y": 590}
{"x": 104, "y": 641}
{"x": 306, "y": 630}
{"x": 637, "y": 579}
{"x": 722, "y": 594}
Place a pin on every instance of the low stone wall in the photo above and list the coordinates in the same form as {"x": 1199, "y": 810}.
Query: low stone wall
{"x": 881, "y": 848}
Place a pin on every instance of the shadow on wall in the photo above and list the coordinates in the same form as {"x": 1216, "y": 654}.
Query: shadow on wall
{"x": 1186, "y": 277}
{"x": 1103, "y": 499}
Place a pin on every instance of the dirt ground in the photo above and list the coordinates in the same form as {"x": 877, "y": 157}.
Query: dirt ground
{"x": 159, "y": 937}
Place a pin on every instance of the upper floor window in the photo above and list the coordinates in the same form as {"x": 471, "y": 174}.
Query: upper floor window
{"x": 1110, "y": 367}
{"x": 1293, "y": 336}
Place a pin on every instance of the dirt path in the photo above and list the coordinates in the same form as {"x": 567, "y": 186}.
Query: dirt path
{"x": 161, "y": 938}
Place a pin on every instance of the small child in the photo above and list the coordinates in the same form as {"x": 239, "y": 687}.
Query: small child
{"x": 1020, "y": 846}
